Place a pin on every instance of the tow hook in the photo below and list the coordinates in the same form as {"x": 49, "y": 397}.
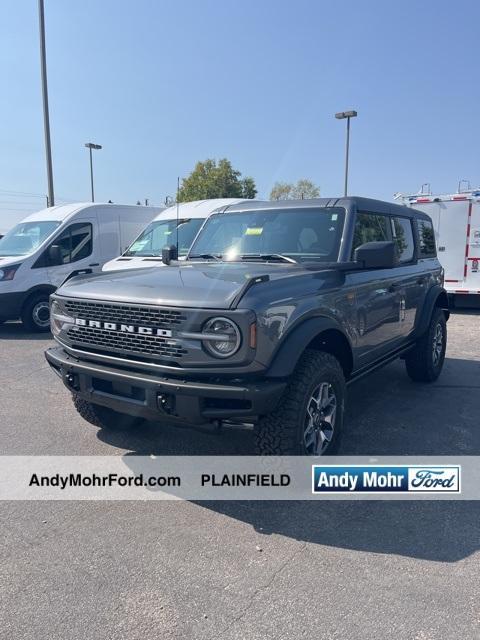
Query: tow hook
{"x": 72, "y": 381}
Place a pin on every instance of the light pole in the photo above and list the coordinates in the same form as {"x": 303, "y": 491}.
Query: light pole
{"x": 342, "y": 116}
{"x": 46, "y": 119}
{"x": 90, "y": 146}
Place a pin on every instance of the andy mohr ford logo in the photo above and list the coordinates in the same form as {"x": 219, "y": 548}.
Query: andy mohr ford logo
{"x": 385, "y": 478}
{"x": 123, "y": 328}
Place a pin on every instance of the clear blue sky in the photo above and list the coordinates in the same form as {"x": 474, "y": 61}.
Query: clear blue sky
{"x": 164, "y": 83}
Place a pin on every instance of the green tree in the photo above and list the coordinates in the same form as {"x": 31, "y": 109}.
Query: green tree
{"x": 210, "y": 179}
{"x": 303, "y": 189}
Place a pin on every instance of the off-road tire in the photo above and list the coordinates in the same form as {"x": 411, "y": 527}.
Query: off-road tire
{"x": 281, "y": 432}
{"x": 420, "y": 360}
{"x": 28, "y": 313}
{"x": 103, "y": 417}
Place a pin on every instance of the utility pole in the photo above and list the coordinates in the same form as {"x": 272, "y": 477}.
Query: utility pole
{"x": 46, "y": 119}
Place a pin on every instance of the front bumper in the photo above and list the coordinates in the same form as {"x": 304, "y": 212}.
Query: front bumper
{"x": 11, "y": 304}
{"x": 167, "y": 398}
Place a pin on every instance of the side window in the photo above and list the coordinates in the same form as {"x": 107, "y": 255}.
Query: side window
{"x": 75, "y": 242}
{"x": 370, "y": 227}
{"x": 426, "y": 237}
{"x": 403, "y": 238}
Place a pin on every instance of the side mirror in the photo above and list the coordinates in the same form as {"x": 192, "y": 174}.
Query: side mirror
{"x": 55, "y": 255}
{"x": 376, "y": 255}
{"x": 169, "y": 254}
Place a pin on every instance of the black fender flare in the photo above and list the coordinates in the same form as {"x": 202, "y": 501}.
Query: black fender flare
{"x": 436, "y": 297}
{"x": 287, "y": 355}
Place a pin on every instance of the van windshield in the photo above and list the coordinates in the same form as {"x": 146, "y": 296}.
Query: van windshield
{"x": 25, "y": 237}
{"x": 291, "y": 235}
{"x": 161, "y": 233}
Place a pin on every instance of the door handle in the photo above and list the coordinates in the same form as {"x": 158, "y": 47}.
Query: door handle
{"x": 94, "y": 264}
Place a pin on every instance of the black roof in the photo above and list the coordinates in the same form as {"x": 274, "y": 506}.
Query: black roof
{"x": 349, "y": 203}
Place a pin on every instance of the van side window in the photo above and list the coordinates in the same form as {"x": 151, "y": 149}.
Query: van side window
{"x": 426, "y": 237}
{"x": 75, "y": 242}
{"x": 370, "y": 227}
{"x": 403, "y": 238}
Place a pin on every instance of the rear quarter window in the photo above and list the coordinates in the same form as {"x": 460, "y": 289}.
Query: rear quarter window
{"x": 403, "y": 238}
{"x": 426, "y": 239}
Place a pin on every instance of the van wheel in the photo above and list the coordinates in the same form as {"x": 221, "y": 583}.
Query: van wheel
{"x": 103, "y": 417}
{"x": 36, "y": 313}
{"x": 309, "y": 418}
{"x": 424, "y": 363}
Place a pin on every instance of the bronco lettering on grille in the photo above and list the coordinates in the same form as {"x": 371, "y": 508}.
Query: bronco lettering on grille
{"x": 125, "y": 328}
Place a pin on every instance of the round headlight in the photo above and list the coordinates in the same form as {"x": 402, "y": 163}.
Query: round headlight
{"x": 222, "y": 337}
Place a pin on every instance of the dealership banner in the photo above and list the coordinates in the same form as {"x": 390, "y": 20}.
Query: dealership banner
{"x": 132, "y": 477}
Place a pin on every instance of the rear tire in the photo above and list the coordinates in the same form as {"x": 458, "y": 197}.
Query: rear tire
{"x": 36, "y": 313}
{"x": 309, "y": 418}
{"x": 103, "y": 417}
{"x": 424, "y": 363}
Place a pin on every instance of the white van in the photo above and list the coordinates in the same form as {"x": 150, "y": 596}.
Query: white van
{"x": 146, "y": 250}
{"x": 48, "y": 247}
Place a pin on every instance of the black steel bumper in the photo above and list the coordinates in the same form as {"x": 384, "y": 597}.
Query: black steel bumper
{"x": 157, "y": 398}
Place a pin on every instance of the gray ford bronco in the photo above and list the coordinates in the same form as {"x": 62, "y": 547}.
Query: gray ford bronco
{"x": 277, "y": 308}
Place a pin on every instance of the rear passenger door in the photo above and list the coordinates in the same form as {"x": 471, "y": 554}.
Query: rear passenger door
{"x": 377, "y": 300}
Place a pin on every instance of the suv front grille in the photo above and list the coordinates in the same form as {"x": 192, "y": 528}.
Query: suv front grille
{"x": 102, "y": 340}
{"x": 128, "y": 314}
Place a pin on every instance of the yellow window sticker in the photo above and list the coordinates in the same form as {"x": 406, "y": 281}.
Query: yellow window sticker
{"x": 254, "y": 231}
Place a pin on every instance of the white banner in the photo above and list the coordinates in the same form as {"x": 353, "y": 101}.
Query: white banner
{"x": 239, "y": 478}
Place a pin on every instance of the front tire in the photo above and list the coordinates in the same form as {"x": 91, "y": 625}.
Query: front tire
{"x": 424, "y": 363}
{"x": 309, "y": 418}
{"x": 103, "y": 417}
{"x": 36, "y": 313}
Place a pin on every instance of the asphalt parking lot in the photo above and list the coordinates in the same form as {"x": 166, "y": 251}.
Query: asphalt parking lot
{"x": 193, "y": 570}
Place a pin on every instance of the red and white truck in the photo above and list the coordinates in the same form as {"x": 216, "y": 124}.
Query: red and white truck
{"x": 456, "y": 221}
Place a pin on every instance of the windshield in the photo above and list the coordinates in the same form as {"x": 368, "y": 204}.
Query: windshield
{"x": 162, "y": 233}
{"x": 26, "y": 237}
{"x": 298, "y": 234}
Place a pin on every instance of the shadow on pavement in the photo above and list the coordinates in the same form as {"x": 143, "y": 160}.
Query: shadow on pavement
{"x": 15, "y": 331}
{"x": 433, "y": 530}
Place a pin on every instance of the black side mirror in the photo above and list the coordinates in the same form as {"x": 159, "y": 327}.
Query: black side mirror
{"x": 376, "y": 255}
{"x": 55, "y": 255}
{"x": 169, "y": 254}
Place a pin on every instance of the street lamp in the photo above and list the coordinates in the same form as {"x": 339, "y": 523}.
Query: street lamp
{"x": 46, "y": 119}
{"x": 90, "y": 146}
{"x": 342, "y": 116}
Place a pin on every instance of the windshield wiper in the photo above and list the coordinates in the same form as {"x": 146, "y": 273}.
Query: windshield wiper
{"x": 268, "y": 256}
{"x": 206, "y": 256}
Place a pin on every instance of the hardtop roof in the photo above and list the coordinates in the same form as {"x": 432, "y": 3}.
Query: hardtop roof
{"x": 350, "y": 203}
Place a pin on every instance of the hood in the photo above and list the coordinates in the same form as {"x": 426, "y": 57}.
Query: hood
{"x": 124, "y": 263}
{"x": 6, "y": 261}
{"x": 200, "y": 285}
